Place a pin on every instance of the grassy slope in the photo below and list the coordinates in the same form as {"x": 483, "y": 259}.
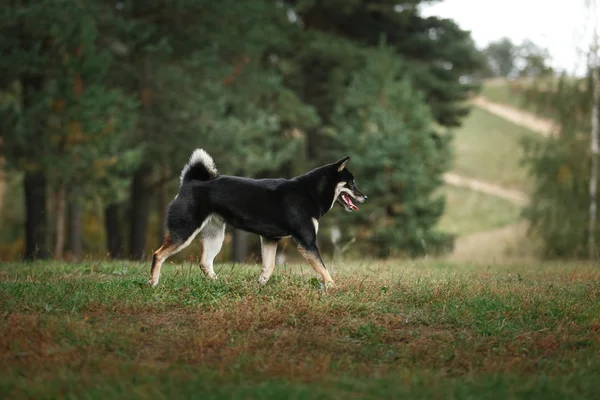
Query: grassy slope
{"x": 388, "y": 331}
{"x": 468, "y": 211}
{"x": 489, "y": 148}
{"x": 499, "y": 92}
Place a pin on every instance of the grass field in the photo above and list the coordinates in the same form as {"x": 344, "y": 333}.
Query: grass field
{"x": 468, "y": 211}
{"x": 389, "y": 330}
{"x": 501, "y": 93}
{"x": 489, "y": 148}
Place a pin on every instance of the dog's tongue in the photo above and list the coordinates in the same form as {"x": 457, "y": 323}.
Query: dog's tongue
{"x": 348, "y": 201}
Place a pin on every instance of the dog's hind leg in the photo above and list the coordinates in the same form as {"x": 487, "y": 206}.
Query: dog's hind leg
{"x": 171, "y": 244}
{"x": 213, "y": 234}
{"x": 268, "y": 252}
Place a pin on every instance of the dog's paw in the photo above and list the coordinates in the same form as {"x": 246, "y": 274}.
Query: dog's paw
{"x": 328, "y": 285}
{"x": 152, "y": 283}
{"x": 262, "y": 280}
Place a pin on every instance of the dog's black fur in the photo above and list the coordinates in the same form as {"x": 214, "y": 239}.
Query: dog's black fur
{"x": 271, "y": 208}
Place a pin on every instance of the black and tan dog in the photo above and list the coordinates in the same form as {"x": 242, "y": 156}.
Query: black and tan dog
{"x": 271, "y": 208}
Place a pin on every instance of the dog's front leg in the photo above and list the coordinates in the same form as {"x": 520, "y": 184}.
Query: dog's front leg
{"x": 312, "y": 255}
{"x": 268, "y": 252}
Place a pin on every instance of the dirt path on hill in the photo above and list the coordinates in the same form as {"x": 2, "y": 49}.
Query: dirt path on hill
{"x": 508, "y": 242}
{"x": 512, "y": 195}
{"x": 543, "y": 126}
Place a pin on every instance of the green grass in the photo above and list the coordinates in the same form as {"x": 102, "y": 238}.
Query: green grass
{"x": 468, "y": 211}
{"x": 501, "y": 93}
{"x": 389, "y": 330}
{"x": 489, "y": 148}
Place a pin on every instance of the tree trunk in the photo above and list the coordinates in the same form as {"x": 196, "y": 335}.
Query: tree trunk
{"x": 75, "y": 225}
{"x": 140, "y": 191}
{"x": 3, "y": 180}
{"x": 36, "y": 225}
{"x": 35, "y": 220}
{"x": 140, "y": 211}
{"x": 239, "y": 246}
{"x": 59, "y": 239}
{"x": 594, "y": 147}
{"x": 594, "y": 166}
{"x": 114, "y": 240}
{"x": 162, "y": 204}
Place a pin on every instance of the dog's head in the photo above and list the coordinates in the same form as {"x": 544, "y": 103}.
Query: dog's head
{"x": 345, "y": 190}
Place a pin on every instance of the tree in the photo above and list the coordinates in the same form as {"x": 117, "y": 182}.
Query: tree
{"x": 386, "y": 128}
{"x": 563, "y": 211}
{"x": 507, "y": 59}
{"x": 21, "y": 122}
{"x": 501, "y": 57}
{"x": 532, "y": 60}
{"x": 559, "y": 209}
{"x": 338, "y": 28}
{"x": 69, "y": 128}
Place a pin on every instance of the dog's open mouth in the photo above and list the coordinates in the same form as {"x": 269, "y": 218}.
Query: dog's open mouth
{"x": 348, "y": 204}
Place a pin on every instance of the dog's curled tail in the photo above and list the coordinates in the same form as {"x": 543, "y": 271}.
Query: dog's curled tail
{"x": 200, "y": 167}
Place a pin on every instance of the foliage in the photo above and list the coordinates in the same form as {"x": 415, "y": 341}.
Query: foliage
{"x": 501, "y": 56}
{"x": 440, "y": 55}
{"x": 115, "y": 96}
{"x": 533, "y": 61}
{"x": 386, "y": 129}
{"x": 206, "y": 84}
{"x": 507, "y": 59}
{"x": 560, "y": 166}
{"x": 84, "y": 121}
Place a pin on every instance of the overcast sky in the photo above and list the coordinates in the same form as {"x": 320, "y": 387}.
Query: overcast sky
{"x": 561, "y": 26}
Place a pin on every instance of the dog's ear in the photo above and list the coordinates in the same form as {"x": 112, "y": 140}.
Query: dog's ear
{"x": 342, "y": 163}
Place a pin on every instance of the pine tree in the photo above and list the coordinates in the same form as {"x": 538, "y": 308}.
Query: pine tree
{"x": 386, "y": 129}
{"x": 438, "y": 53}
{"x": 69, "y": 127}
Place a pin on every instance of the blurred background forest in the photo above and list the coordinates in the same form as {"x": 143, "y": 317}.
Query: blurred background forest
{"x": 464, "y": 152}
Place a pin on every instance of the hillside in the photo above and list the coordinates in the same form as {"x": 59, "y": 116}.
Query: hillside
{"x": 488, "y": 186}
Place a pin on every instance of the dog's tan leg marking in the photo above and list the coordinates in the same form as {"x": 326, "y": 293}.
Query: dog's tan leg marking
{"x": 168, "y": 248}
{"x": 268, "y": 252}
{"x": 213, "y": 234}
{"x": 314, "y": 259}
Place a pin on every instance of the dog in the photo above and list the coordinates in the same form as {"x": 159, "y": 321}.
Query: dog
{"x": 270, "y": 208}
